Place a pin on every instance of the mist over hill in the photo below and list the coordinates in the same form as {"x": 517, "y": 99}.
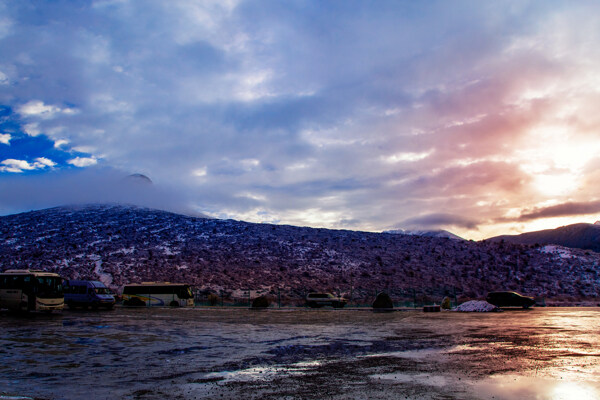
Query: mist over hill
{"x": 121, "y": 244}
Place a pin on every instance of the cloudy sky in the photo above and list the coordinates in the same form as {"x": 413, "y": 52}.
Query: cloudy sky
{"x": 477, "y": 117}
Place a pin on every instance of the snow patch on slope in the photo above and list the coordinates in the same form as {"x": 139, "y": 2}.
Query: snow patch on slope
{"x": 559, "y": 251}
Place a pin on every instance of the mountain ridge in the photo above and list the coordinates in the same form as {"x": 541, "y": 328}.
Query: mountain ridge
{"x": 122, "y": 245}
{"x": 584, "y": 236}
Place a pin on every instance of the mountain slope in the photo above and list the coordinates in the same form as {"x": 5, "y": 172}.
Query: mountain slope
{"x": 126, "y": 244}
{"x": 578, "y": 236}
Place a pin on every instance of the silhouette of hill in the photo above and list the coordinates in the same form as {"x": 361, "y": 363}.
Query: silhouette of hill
{"x": 576, "y": 236}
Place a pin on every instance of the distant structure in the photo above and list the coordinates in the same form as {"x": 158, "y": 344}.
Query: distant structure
{"x": 139, "y": 179}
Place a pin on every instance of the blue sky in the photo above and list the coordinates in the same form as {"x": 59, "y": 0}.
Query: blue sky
{"x": 476, "y": 117}
{"x": 27, "y": 152}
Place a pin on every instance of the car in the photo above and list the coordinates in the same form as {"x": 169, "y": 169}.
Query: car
{"x": 317, "y": 300}
{"x": 509, "y": 299}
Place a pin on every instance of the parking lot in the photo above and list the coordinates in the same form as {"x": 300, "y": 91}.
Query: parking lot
{"x": 155, "y": 353}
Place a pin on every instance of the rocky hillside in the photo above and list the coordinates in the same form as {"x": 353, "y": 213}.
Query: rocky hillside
{"x": 120, "y": 244}
{"x": 577, "y": 236}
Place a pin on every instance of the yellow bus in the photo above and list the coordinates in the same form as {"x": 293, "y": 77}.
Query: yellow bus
{"x": 30, "y": 290}
{"x": 158, "y": 294}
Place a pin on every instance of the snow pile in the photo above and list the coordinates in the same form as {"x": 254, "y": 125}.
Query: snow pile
{"x": 476, "y": 306}
{"x": 562, "y": 252}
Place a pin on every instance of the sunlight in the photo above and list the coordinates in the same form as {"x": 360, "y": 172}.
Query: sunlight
{"x": 574, "y": 391}
{"x": 556, "y": 185}
{"x": 555, "y": 159}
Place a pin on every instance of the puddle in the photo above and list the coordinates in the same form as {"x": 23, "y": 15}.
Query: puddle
{"x": 412, "y": 354}
{"x": 468, "y": 347}
{"x": 514, "y": 387}
{"x": 264, "y": 373}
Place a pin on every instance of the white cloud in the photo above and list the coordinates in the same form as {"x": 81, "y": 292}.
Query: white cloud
{"x": 407, "y": 157}
{"x": 5, "y": 138}
{"x": 43, "y": 161}
{"x": 249, "y": 164}
{"x": 18, "y": 166}
{"x": 84, "y": 149}
{"x": 37, "y": 108}
{"x": 32, "y": 129}
{"x": 3, "y": 79}
{"x": 200, "y": 172}
{"x": 83, "y": 161}
{"x": 60, "y": 142}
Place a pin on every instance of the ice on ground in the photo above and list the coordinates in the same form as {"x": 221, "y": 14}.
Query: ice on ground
{"x": 476, "y": 306}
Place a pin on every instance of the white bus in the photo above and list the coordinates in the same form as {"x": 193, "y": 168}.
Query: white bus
{"x": 29, "y": 290}
{"x": 158, "y": 294}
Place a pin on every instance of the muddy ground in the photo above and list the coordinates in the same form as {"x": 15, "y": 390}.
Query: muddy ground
{"x": 545, "y": 353}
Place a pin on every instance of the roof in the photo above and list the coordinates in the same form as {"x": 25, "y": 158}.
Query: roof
{"x": 28, "y": 272}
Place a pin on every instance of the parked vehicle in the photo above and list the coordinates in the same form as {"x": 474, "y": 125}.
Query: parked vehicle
{"x": 317, "y": 300}
{"x": 158, "y": 294}
{"x": 509, "y": 299}
{"x": 88, "y": 294}
{"x": 30, "y": 290}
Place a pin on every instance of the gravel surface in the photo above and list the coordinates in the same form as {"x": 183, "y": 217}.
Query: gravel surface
{"x": 301, "y": 354}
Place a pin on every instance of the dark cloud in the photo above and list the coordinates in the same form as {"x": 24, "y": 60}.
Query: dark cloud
{"x": 562, "y": 210}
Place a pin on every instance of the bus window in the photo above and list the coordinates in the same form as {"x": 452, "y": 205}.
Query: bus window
{"x": 49, "y": 287}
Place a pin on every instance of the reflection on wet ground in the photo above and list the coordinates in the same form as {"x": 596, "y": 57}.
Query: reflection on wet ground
{"x": 310, "y": 354}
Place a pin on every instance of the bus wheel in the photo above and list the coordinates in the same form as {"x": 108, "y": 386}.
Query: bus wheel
{"x": 23, "y": 307}
{"x": 174, "y": 304}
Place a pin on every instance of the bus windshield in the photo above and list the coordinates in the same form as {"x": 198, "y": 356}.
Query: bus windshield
{"x": 49, "y": 287}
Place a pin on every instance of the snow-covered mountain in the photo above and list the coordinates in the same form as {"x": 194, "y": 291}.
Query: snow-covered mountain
{"x": 120, "y": 244}
{"x": 439, "y": 233}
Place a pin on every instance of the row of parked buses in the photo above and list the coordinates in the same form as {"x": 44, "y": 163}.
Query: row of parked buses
{"x": 29, "y": 290}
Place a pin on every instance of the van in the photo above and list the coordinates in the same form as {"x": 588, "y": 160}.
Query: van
{"x": 88, "y": 294}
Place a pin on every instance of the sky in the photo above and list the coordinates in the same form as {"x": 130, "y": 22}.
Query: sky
{"x": 481, "y": 118}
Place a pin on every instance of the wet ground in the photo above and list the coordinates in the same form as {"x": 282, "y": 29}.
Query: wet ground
{"x": 544, "y": 353}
